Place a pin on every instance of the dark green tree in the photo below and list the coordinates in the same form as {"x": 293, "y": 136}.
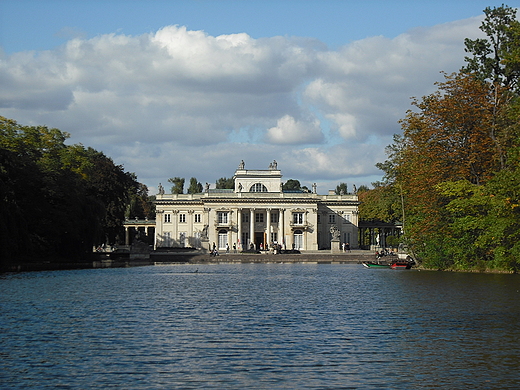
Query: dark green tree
{"x": 56, "y": 201}
{"x": 141, "y": 204}
{"x": 341, "y": 189}
{"x": 292, "y": 185}
{"x": 178, "y": 185}
{"x": 225, "y": 183}
{"x": 493, "y": 58}
{"x": 195, "y": 186}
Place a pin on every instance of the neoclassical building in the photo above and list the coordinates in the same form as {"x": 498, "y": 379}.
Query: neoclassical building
{"x": 256, "y": 212}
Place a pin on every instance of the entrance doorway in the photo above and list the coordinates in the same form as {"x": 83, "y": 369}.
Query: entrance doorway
{"x": 259, "y": 239}
{"x": 222, "y": 239}
{"x": 298, "y": 239}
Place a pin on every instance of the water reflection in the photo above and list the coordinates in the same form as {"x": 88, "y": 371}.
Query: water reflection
{"x": 259, "y": 326}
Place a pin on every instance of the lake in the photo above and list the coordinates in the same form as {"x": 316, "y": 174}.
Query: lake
{"x": 259, "y": 326}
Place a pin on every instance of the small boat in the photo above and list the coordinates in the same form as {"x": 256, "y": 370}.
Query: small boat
{"x": 374, "y": 264}
{"x": 397, "y": 264}
{"x": 401, "y": 265}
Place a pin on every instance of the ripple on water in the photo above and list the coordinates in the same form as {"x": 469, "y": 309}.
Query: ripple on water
{"x": 258, "y": 326}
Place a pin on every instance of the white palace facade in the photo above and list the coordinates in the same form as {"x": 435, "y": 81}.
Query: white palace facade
{"x": 256, "y": 213}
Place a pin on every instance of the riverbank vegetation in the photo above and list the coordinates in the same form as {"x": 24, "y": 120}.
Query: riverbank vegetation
{"x": 57, "y": 201}
{"x": 453, "y": 175}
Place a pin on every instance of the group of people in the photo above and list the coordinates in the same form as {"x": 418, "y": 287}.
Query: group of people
{"x": 384, "y": 252}
{"x": 274, "y": 247}
{"x": 346, "y": 247}
{"x": 214, "y": 251}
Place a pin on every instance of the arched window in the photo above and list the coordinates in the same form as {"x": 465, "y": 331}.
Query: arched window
{"x": 258, "y": 187}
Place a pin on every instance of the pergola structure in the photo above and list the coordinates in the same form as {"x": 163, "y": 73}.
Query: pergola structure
{"x": 374, "y": 234}
{"x": 140, "y": 229}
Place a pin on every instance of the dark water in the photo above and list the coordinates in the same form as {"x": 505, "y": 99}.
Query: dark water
{"x": 258, "y": 327}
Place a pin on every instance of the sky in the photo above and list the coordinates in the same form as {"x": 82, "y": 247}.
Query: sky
{"x": 190, "y": 88}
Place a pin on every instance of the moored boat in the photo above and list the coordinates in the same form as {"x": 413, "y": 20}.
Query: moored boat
{"x": 401, "y": 265}
{"x": 373, "y": 264}
{"x": 396, "y": 264}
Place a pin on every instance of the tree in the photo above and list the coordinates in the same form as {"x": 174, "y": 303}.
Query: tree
{"x": 496, "y": 57}
{"x": 225, "y": 183}
{"x": 380, "y": 204}
{"x": 178, "y": 185}
{"x": 341, "y": 189}
{"x": 195, "y": 187}
{"x": 362, "y": 188}
{"x": 141, "y": 204}
{"x": 292, "y": 185}
{"x": 56, "y": 201}
{"x": 451, "y": 138}
{"x": 455, "y": 167}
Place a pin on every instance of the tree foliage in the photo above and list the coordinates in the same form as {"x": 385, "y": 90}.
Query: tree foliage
{"x": 495, "y": 58}
{"x": 225, "y": 183}
{"x": 178, "y": 185}
{"x": 292, "y": 185}
{"x": 380, "y": 204}
{"x": 341, "y": 189}
{"x": 456, "y": 164}
{"x": 57, "y": 200}
{"x": 195, "y": 186}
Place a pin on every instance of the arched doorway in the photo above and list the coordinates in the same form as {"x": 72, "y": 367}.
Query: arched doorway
{"x": 298, "y": 239}
{"x": 222, "y": 239}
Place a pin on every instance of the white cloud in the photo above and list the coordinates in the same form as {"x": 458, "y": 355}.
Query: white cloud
{"x": 171, "y": 103}
{"x": 290, "y": 131}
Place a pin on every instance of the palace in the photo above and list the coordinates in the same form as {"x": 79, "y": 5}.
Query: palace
{"x": 258, "y": 214}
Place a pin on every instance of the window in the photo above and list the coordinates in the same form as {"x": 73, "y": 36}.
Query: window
{"x": 274, "y": 217}
{"x": 258, "y": 187}
{"x": 259, "y": 217}
{"x": 298, "y": 218}
{"x": 332, "y": 218}
{"x": 167, "y": 218}
{"x": 222, "y": 217}
{"x": 182, "y": 218}
{"x": 274, "y": 237}
{"x": 197, "y": 218}
{"x": 245, "y": 218}
{"x": 319, "y": 219}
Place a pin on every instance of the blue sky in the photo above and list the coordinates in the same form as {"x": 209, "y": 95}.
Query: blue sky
{"x": 44, "y": 24}
{"x": 190, "y": 88}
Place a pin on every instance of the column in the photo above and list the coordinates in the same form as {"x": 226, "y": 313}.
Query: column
{"x": 175, "y": 227}
{"x": 281, "y": 230}
{"x": 251, "y": 226}
{"x": 190, "y": 233}
{"x": 268, "y": 220}
{"x": 239, "y": 229}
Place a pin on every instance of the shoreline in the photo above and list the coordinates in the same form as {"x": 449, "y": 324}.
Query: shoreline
{"x": 103, "y": 260}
